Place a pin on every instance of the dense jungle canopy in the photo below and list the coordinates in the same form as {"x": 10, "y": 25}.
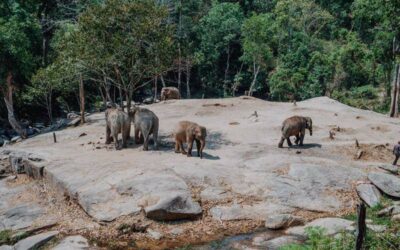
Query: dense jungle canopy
{"x": 123, "y": 50}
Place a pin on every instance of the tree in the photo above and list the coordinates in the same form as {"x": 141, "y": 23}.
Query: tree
{"x": 219, "y": 32}
{"x": 126, "y": 43}
{"x": 19, "y": 36}
{"x": 258, "y": 36}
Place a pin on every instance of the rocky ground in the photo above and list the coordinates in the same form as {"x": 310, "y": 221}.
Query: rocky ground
{"x": 159, "y": 199}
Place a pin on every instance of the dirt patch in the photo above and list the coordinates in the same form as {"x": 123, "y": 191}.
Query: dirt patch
{"x": 370, "y": 152}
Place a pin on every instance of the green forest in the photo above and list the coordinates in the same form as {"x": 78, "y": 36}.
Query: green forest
{"x": 58, "y": 56}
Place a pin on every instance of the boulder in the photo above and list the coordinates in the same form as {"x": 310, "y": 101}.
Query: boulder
{"x": 280, "y": 221}
{"x": 392, "y": 210}
{"x": 6, "y": 247}
{"x": 387, "y": 183}
{"x": 282, "y": 241}
{"x": 74, "y": 122}
{"x": 72, "y": 242}
{"x": 34, "y": 242}
{"x": 331, "y": 226}
{"x": 390, "y": 168}
{"x": 377, "y": 228}
{"x": 369, "y": 194}
{"x": 16, "y": 139}
{"x": 396, "y": 218}
{"x": 174, "y": 207}
{"x": 248, "y": 212}
{"x": 21, "y": 216}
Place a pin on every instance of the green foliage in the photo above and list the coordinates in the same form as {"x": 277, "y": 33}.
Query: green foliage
{"x": 5, "y": 237}
{"x": 281, "y": 49}
{"x": 387, "y": 240}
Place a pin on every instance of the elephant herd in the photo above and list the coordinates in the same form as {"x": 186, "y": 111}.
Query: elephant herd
{"x": 146, "y": 123}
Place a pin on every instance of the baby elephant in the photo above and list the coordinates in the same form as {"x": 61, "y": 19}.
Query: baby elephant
{"x": 189, "y": 132}
{"x": 146, "y": 123}
{"x": 295, "y": 126}
{"x": 168, "y": 93}
{"x": 117, "y": 122}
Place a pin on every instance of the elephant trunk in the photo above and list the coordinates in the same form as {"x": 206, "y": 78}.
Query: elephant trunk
{"x": 202, "y": 145}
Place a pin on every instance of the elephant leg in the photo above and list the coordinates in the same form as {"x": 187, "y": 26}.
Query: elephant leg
{"x": 302, "y": 134}
{"x": 146, "y": 142}
{"x": 198, "y": 147}
{"x": 280, "y": 145}
{"x": 137, "y": 139}
{"x": 108, "y": 135}
{"x": 190, "y": 146}
{"x": 182, "y": 148}
{"x": 116, "y": 143}
{"x": 289, "y": 142}
{"x": 297, "y": 139}
{"x": 155, "y": 139}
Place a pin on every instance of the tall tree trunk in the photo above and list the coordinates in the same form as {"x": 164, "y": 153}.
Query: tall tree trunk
{"x": 129, "y": 94}
{"x": 162, "y": 81}
{"x": 187, "y": 79}
{"x": 179, "y": 47}
{"x": 82, "y": 99}
{"x": 228, "y": 57}
{"x": 103, "y": 97}
{"x": 394, "y": 107}
{"x": 155, "y": 89}
{"x": 107, "y": 87}
{"x": 179, "y": 68}
{"x": 121, "y": 99}
{"x": 8, "y": 99}
{"x": 49, "y": 104}
{"x": 256, "y": 70}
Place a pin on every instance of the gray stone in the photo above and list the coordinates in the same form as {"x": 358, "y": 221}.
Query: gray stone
{"x": 396, "y": 218}
{"x": 283, "y": 221}
{"x": 391, "y": 210}
{"x": 279, "y": 242}
{"x": 154, "y": 234}
{"x": 247, "y": 212}
{"x": 174, "y": 207}
{"x": 213, "y": 194}
{"x": 21, "y": 216}
{"x": 389, "y": 184}
{"x": 330, "y": 226}
{"x": 369, "y": 194}
{"x": 390, "y": 168}
{"x": 72, "y": 242}
{"x": 377, "y": 228}
{"x": 6, "y": 247}
{"x": 16, "y": 139}
{"x": 34, "y": 242}
{"x": 74, "y": 122}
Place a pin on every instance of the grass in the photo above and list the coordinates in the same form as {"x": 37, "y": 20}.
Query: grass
{"x": 5, "y": 237}
{"x": 388, "y": 240}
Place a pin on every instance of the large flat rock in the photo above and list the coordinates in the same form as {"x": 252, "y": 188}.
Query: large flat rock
{"x": 242, "y": 163}
{"x": 388, "y": 183}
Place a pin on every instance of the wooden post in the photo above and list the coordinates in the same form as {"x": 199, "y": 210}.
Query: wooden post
{"x": 361, "y": 226}
{"x": 54, "y": 137}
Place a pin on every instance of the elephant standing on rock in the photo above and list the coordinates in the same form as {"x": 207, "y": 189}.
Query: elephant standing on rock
{"x": 295, "y": 126}
{"x": 168, "y": 93}
{"x": 117, "y": 121}
{"x": 146, "y": 123}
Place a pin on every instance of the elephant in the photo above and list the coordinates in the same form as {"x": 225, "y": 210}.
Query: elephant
{"x": 189, "y": 132}
{"x": 168, "y": 93}
{"x": 295, "y": 126}
{"x": 117, "y": 121}
{"x": 146, "y": 123}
